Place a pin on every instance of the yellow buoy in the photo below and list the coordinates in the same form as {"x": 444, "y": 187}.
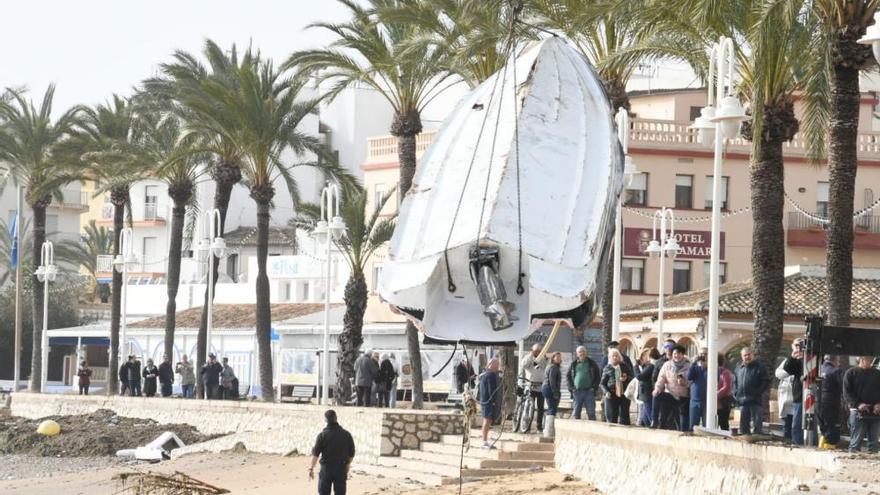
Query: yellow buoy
{"x": 49, "y": 428}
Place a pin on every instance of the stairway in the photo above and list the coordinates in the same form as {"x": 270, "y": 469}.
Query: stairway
{"x": 437, "y": 463}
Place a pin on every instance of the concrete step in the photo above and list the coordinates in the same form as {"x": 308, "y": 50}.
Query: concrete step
{"x": 417, "y": 465}
{"x": 502, "y": 445}
{"x": 444, "y": 459}
{"x": 514, "y": 464}
{"x": 525, "y": 455}
{"x": 453, "y": 449}
{"x": 535, "y": 447}
{"x": 508, "y": 436}
{"x": 396, "y": 473}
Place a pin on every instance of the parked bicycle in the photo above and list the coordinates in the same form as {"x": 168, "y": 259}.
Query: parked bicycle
{"x": 524, "y": 413}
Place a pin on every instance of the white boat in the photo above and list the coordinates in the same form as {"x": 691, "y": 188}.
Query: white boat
{"x": 539, "y": 202}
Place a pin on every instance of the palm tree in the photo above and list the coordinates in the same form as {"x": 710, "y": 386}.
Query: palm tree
{"x": 382, "y": 56}
{"x": 107, "y": 142}
{"x": 170, "y": 152}
{"x": 183, "y": 81}
{"x": 29, "y": 138}
{"x": 261, "y": 117}
{"x": 365, "y": 233}
{"x": 832, "y": 110}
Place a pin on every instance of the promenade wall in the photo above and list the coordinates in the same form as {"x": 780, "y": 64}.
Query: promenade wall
{"x": 259, "y": 426}
{"x": 615, "y": 459}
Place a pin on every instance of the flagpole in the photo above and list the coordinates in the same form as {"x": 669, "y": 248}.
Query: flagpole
{"x": 16, "y": 376}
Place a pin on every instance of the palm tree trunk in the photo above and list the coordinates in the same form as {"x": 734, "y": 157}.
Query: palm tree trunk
{"x": 508, "y": 380}
{"x": 842, "y": 164}
{"x": 351, "y": 338}
{"x": 39, "y": 236}
{"x": 226, "y": 175}
{"x": 118, "y": 198}
{"x": 768, "y": 256}
{"x": 180, "y": 195}
{"x": 406, "y": 127}
{"x": 263, "y": 309}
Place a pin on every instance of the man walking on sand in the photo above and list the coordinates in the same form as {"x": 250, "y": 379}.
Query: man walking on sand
{"x": 335, "y": 449}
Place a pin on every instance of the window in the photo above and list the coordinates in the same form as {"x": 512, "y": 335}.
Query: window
{"x": 684, "y": 189}
{"x": 822, "y": 199}
{"x": 151, "y": 245}
{"x": 232, "y": 266}
{"x": 681, "y": 276}
{"x": 722, "y": 273}
{"x": 377, "y": 272}
{"x": 695, "y": 112}
{"x": 725, "y": 181}
{"x": 151, "y": 202}
{"x": 637, "y": 192}
{"x": 378, "y": 196}
{"x": 51, "y": 224}
{"x": 632, "y": 275}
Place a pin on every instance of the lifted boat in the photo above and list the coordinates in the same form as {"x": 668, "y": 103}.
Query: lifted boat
{"x": 510, "y": 218}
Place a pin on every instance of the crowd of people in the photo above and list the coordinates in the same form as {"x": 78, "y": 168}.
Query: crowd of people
{"x": 376, "y": 379}
{"x": 148, "y": 380}
{"x": 670, "y": 390}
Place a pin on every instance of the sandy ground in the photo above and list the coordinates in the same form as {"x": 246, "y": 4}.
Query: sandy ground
{"x": 252, "y": 474}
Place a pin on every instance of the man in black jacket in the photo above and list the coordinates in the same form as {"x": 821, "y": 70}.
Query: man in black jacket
{"x": 464, "y": 374}
{"x": 166, "y": 377}
{"x": 862, "y": 388}
{"x": 829, "y": 400}
{"x": 335, "y": 449}
{"x": 750, "y": 382}
{"x": 211, "y": 377}
{"x": 134, "y": 376}
{"x": 583, "y": 379}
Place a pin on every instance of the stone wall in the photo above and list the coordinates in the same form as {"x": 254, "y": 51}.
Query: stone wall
{"x": 617, "y": 459}
{"x": 261, "y": 427}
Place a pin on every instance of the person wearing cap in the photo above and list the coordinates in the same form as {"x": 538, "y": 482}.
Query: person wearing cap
{"x": 211, "y": 377}
{"x": 334, "y": 447}
{"x": 660, "y": 407}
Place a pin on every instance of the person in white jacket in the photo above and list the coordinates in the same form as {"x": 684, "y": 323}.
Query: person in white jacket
{"x": 533, "y": 370}
{"x": 784, "y": 401}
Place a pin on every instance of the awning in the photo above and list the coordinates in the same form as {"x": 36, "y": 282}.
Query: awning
{"x": 82, "y": 340}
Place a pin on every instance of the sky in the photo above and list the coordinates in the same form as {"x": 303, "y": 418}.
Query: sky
{"x": 93, "y": 48}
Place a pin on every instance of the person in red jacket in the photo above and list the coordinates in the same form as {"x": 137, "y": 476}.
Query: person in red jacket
{"x": 85, "y": 377}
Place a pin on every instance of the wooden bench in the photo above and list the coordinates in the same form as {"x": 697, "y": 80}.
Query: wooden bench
{"x": 302, "y": 393}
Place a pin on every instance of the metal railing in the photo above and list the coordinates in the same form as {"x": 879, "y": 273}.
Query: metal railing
{"x": 867, "y": 224}
{"x": 151, "y": 211}
{"x": 644, "y": 133}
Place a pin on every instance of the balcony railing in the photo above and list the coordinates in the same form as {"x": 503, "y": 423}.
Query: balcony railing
{"x": 644, "y": 134}
{"x": 78, "y": 200}
{"x": 151, "y": 211}
{"x": 869, "y": 224}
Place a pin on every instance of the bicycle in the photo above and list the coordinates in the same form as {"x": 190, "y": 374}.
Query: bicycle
{"x": 524, "y": 413}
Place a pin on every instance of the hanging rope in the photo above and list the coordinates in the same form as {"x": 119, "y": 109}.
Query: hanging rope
{"x": 454, "y": 350}
{"x": 520, "y": 274}
{"x": 451, "y": 285}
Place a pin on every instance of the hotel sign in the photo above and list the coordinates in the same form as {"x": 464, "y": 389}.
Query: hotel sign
{"x": 693, "y": 244}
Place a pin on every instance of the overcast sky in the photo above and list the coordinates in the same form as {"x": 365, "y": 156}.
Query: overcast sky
{"x": 93, "y": 48}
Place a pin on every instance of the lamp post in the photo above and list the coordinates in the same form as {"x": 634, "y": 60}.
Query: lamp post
{"x": 212, "y": 246}
{"x": 124, "y": 261}
{"x": 667, "y": 246}
{"x": 723, "y": 123}
{"x": 329, "y": 228}
{"x": 629, "y": 170}
{"x": 46, "y": 272}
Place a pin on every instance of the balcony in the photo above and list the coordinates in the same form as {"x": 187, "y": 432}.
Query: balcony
{"x": 803, "y": 231}
{"x": 645, "y": 135}
{"x": 151, "y": 216}
{"x": 71, "y": 200}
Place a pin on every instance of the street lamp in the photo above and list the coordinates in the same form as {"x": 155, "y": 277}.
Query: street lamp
{"x": 629, "y": 170}
{"x": 665, "y": 247}
{"x": 728, "y": 120}
{"x": 46, "y": 272}
{"x": 329, "y": 228}
{"x": 872, "y": 36}
{"x": 123, "y": 263}
{"x": 212, "y": 246}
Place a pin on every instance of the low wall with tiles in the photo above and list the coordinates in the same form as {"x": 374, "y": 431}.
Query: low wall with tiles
{"x": 617, "y": 459}
{"x": 260, "y": 427}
